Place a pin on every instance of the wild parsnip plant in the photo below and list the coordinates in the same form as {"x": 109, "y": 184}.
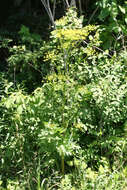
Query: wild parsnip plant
{"x": 69, "y": 133}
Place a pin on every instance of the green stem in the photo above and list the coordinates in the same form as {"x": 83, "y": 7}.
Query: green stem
{"x": 62, "y": 165}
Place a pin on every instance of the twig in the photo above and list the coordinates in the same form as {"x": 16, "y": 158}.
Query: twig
{"x": 14, "y": 76}
{"x": 94, "y": 12}
{"x": 54, "y": 7}
{"x": 35, "y": 68}
{"x": 96, "y": 48}
{"x": 66, "y": 1}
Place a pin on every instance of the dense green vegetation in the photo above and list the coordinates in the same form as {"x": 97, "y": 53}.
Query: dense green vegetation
{"x": 63, "y": 94}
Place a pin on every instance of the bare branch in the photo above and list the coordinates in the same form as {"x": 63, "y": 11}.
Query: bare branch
{"x": 49, "y": 12}
{"x": 94, "y": 12}
{"x": 96, "y": 48}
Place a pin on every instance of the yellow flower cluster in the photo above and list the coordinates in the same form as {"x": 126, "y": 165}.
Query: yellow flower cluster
{"x": 50, "y": 55}
{"x": 70, "y": 36}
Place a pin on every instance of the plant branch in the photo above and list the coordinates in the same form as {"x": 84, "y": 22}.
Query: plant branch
{"x": 34, "y": 68}
{"x": 96, "y": 48}
{"x": 94, "y": 12}
{"x": 49, "y": 12}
